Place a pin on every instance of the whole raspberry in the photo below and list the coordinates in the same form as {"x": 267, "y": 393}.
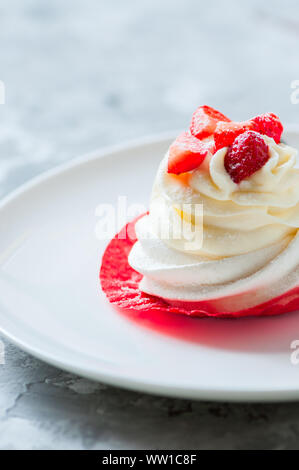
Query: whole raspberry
{"x": 248, "y": 154}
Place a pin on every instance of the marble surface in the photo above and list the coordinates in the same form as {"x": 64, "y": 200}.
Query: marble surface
{"x": 80, "y": 75}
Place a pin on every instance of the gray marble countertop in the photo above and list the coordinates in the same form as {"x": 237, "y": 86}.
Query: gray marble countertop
{"x": 84, "y": 74}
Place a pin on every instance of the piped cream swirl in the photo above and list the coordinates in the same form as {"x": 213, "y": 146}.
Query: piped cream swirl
{"x": 246, "y": 228}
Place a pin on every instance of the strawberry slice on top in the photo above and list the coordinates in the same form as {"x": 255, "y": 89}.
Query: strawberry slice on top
{"x": 266, "y": 124}
{"x": 248, "y": 154}
{"x": 227, "y": 132}
{"x": 187, "y": 153}
{"x": 211, "y": 130}
{"x": 269, "y": 124}
{"x": 204, "y": 121}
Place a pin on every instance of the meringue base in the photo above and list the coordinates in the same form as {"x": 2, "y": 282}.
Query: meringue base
{"x": 120, "y": 284}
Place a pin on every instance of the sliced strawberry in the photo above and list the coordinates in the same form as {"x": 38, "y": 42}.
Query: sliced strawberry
{"x": 204, "y": 121}
{"x": 247, "y": 155}
{"x": 187, "y": 153}
{"x": 270, "y": 125}
{"x": 226, "y": 132}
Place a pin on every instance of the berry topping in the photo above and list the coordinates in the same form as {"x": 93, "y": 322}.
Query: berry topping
{"x": 204, "y": 121}
{"x": 270, "y": 125}
{"x": 187, "y": 153}
{"x": 226, "y": 132}
{"x": 210, "y": 131}
{"x": 247, "y": 155}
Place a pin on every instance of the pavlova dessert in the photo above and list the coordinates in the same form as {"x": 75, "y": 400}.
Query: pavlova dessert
{"x": 221, "y": 235}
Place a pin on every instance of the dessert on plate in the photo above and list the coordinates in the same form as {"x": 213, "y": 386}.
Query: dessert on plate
{"x": 221, "y": 235}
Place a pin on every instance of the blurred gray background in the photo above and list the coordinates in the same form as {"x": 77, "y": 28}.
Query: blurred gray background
{"x": 82, "y": 74}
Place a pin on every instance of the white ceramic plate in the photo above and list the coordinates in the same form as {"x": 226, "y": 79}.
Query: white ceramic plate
{"x": 51, "y": 304}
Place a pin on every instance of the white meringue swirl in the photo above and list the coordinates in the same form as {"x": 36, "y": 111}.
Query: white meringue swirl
{"x": 249, "y": 233}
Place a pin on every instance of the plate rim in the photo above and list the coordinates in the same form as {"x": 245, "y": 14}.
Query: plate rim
{"x": 114, "y": 378}
{"x": 224, "y": 394}
{"x": 84, "y": 159}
